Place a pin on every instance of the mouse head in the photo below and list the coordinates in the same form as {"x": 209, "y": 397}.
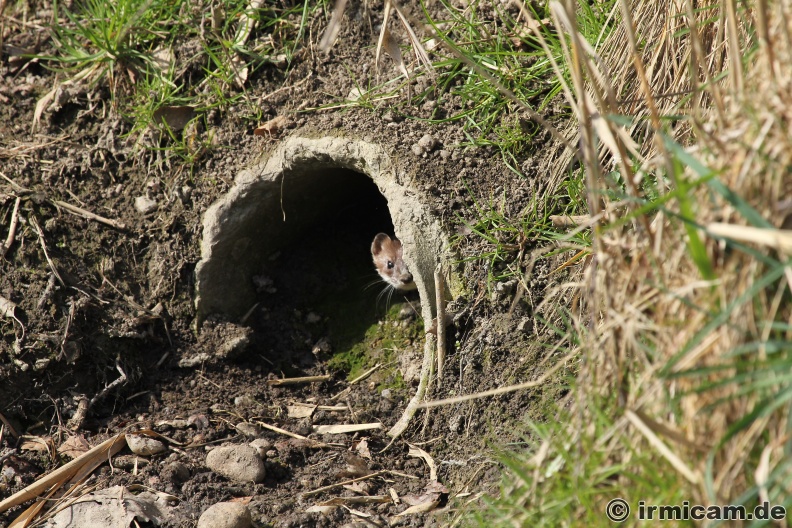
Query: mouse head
{"x": 387, "y": 255}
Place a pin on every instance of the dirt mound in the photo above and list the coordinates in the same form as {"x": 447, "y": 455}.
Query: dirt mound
{"x": 131, "y": 311}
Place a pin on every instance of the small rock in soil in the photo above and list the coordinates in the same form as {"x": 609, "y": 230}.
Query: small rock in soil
{"x": 226, "y": 515}
{"x": 145, "y": 205}
{"x": 455, "y": 424}
{"x": 238, "y": 463}
{"x": 144, "y": 446}
{"x": 427, "y": 143}
{"x": 262, "y": 446}
{"x": 246, "y": 400}
{"x": 175, "y": 472}
{"x": 129, "y": 462}
{"x": 249, "y": 429}
{"x": 234, "y": 346}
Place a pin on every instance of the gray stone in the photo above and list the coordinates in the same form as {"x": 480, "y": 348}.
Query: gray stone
{"x": 240, "y": 463}
{"x": 145, "y": 205}
{"x": 226, "y": 515}
{"x": 144, "y": 445}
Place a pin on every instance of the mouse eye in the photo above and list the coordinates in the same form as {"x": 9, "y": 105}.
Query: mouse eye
{"x": 390, "y": 264}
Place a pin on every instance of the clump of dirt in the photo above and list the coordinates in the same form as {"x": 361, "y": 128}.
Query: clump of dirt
{"x": 99, "y": 330}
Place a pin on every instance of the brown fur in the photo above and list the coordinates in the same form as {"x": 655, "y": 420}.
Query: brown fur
{"x": 387, "y": 255}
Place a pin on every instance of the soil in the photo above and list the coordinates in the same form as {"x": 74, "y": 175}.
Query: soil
{"x": 93, "y": 301}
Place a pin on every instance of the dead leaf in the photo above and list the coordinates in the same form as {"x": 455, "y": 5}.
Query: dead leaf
{"x": 300, "y": 411}
{"x": 163, "y": 59}
{"x": 419, "y": 508}
{"x": 36, "y": 443}
{"x": 115, "y": 506}
{"x": 42, "y": 104}
{"x": 200, "y": 421}
{"x": 392, "y": 49}
{"x": 355, "y": 467}
{"x": 74, "y": 446}
{"x": 174, "y": 117}
{"x": 432, "y": 493}
{"x": 363, "y": 449}
{"x": 357, "y": 487}
{"x": 8, "y": 308}
{"x": 324, "y": 510}
{"x": 272, "y": 127}
{"x": 417, "y": 452}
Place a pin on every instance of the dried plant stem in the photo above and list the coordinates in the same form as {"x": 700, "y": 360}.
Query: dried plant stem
{"x": 441, "y": 322}
{"x": 11, "y": 229}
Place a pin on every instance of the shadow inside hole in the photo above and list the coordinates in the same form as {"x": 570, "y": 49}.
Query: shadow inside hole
{"x": 322, "y": 282}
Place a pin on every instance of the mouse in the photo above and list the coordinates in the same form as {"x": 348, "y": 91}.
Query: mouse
{"x": 387, "y": 255}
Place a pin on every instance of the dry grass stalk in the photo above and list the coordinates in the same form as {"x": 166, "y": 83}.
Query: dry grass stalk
{"x": 74, "y": 472}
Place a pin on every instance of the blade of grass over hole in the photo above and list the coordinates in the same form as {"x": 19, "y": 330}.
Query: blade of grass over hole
{"x": 656, "y": 203}
{"x": 754, "y": 386}
{"x": 696, "y": 248}
{"x": 746, "y": 380}
{"x": 745, "y": 209}
{"x": 301, "y": 31}
{"x": 722, "y": 317}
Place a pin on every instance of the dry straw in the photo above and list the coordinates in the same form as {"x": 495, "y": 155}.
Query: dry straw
{"x": 680, "y": 320}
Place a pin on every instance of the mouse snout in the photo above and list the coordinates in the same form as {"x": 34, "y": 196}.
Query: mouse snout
{"x": 407, "y": 278}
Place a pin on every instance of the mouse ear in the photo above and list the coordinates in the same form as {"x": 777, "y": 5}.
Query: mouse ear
{"x": 379, "y": 240}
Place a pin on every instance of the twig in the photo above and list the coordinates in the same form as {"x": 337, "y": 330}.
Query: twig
{"x": 88, "y": 214}
{"x": 317, "y": 491}
{"x": 298, "y": 381}
{"x": 426, "y": 373}
{"x": 8, "y": 426}
{"x": 441, "y": 322}
{"x": 360, "y": 378}
{"x": 11, "y": 229}
{"x": 85, "y": 405}
{"x": 315, "y": 443}
{"x": 119, "y": 381}
{"x": 79, "y": 211}
{"x": 499, "y": 390}
{"x": 80, "y": 413}
{"x": 47, "y": 293}
{"x": 40, "y": 233}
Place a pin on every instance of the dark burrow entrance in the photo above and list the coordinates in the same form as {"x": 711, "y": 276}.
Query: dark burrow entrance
{"x": 286, "y": 252}
{"x": 318, "y": 293}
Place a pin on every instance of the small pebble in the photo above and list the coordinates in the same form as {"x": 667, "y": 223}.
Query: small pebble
{"x": 144, "y": 446}
{"x": 145, "y": 205}
{"x": 427, "y": 143}
{"x": 226, "y": 515}
{"x": 240, "y": 463}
